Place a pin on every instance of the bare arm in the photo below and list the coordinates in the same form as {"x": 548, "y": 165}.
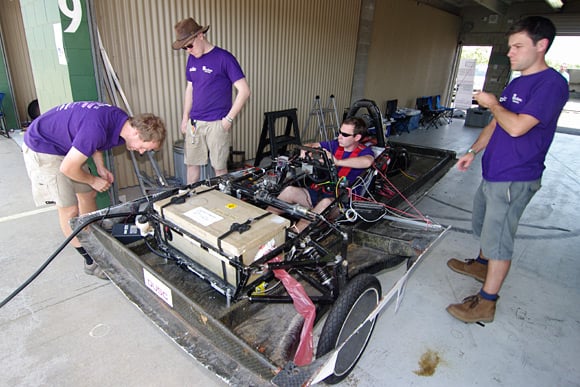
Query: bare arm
{"x": 355, "y": 162}
{"x": 312, "y": 145}
{"x": 187, "y": 103}
{"x": 480, "y": 144}
{"x": 361, "y": 162}
{"x": 242, "y": 95}
{"x": 309, "y": 145}
{"x": 71, "y": 167}
{"x": 101, "y": 169}
{"x": 515, "y": 125}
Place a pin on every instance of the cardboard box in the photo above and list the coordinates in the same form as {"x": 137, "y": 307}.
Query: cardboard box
{"x": 209, "y": 216}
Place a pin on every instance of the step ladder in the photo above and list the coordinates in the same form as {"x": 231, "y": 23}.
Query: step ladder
{"x": 272, "y": 142}
{"x": 326, "y": 120}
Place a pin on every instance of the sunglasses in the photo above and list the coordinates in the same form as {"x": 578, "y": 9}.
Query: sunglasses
{"x": 187, "y": 47}
{"x": 345, "y": 134}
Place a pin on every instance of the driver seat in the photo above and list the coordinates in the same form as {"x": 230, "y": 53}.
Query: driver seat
{"x": 365, "y": 181}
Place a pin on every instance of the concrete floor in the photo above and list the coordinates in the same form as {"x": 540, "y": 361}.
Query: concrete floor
{"x": 70, "y": 329}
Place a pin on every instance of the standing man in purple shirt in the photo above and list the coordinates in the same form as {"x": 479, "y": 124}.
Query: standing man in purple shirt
{"x": 208, "y": 111}
{"x": 56, "y": 148}
{"x": 516, "y": 143}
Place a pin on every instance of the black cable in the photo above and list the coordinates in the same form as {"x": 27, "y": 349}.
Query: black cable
{"x": 547, "y": 228}
{"x": 159, "y": 253}
{"x": 77, "y": 230}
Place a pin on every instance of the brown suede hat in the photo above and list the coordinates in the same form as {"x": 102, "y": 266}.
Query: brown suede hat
{"x": 185, "y": 30}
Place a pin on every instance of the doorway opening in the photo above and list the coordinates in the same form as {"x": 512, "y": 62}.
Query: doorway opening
{"x": 564, "y": 54}
{"x": 470, "y": 76}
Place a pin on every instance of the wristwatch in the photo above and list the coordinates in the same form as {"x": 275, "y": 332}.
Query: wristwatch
{"x": 471, "y": 150}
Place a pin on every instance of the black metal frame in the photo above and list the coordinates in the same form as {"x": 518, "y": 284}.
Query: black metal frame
{"x": 307, "y": 255}
{"x": 321, "y": 268}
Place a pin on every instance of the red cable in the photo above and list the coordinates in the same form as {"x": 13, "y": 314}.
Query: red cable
{"x": 419, "y": 214}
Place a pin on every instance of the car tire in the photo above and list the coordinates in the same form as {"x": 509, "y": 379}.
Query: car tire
{"x": 358, "y": 299}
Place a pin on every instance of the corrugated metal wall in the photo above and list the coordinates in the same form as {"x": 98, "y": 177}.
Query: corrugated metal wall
{"x": 411, "y": 54}
{"x": 290, "y": 50}
{"x": 17, "y": 56}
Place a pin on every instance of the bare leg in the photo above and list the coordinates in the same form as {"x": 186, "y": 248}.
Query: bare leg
{"x": 295, "y": 195}
{"x": 219, "y": 172}
{"x": 292, "y": 195}
{"x": 87, "y": 202}
{"x": 193, "y": 173}
{"x": 320, "y": 206}
{"x": 496, "y": 273}
{"x": 65, "y": 214}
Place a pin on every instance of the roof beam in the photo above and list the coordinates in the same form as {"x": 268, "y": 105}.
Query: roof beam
{"x": 443, "y": 5}
{"x": 496, "y": 6}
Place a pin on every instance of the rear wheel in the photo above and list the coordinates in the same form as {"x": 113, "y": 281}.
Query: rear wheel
{"x": 358, "y": 299}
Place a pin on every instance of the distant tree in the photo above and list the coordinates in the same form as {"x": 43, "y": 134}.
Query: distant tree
{"x": 479, "y": 53}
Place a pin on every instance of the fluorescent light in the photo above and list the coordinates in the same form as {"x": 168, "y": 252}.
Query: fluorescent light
{"x": 555, "y": 3}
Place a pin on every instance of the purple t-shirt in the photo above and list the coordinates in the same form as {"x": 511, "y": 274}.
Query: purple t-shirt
{"x": 332, "y": 146}
{"x": 541, "y": 95}
{"x": 87, "y": 126}
{"x": 212, "y": 76}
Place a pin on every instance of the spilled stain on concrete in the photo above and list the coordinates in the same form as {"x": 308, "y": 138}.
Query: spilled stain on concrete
{"x": 428, "y": 363}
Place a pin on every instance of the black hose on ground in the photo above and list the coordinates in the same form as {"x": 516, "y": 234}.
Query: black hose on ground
{"x": 77, "y": 230}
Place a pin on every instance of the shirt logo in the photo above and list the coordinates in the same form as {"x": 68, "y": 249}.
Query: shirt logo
{"x": 502, "y": 99}
{"x": 515, "y": 99}
{"x": 205, "y": 69}
{"x": 84, "y": 105}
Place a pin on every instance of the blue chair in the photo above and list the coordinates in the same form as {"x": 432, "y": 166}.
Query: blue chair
{"x": 429, "y": 116}
{"x": 447, "y": 111}
{"x": 4, "y": 129}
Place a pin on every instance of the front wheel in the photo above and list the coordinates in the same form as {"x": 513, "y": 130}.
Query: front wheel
{"x": 354, "y": 304}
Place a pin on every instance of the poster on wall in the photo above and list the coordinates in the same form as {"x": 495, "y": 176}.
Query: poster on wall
{"x": 59, "y": 44}
{"x": 465, "y": 78}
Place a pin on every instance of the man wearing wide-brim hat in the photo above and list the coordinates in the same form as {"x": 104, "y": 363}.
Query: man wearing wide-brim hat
{"x": 208, "y": 111}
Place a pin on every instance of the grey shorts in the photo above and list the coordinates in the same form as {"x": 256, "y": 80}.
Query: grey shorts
{"x": 49, "y": 185}
{"x": 209, "y": 136}
{"x": 497, "y": 209}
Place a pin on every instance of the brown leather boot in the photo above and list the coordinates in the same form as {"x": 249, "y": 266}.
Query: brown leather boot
{"x": 469, "y": 267}
{"x": 473, "y": 309}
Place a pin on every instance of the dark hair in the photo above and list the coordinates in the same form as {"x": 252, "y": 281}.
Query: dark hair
{"x": 360, "y": 126}
{"x": 149, "y": 126}
{"x": 537, "y": 28}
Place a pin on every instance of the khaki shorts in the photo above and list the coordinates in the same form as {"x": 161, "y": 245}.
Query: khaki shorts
{"x": 49, "y": 185}
{"x": 209, "y": 136}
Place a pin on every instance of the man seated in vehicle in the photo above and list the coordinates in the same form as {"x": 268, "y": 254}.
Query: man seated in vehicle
{"x": 351, "y": 159}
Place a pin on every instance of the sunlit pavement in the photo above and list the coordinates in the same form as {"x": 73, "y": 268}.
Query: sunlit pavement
{"x": 570, "y": 117}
